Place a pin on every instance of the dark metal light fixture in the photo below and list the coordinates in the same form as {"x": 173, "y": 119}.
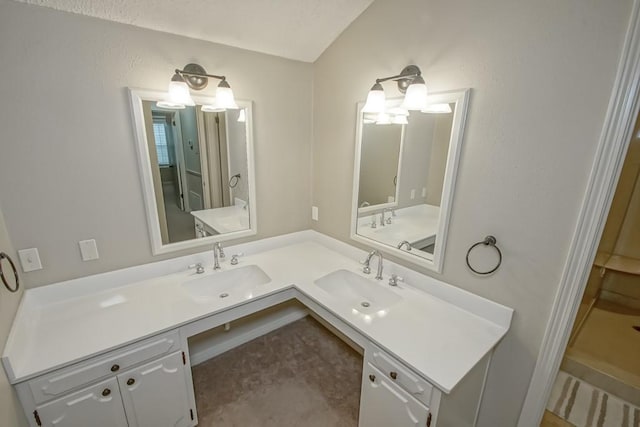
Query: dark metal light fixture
{"x": 194, "y": 76}
{"x": 409, "y": 81}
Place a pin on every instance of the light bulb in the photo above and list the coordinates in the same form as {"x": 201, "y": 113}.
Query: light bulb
{"x": 224, "y": 96}
{"x": 400, "y": 120}
{"x": 375, "y": 100}
{"x": 166, "y": 105}
{"x": 383, "y": 119}
{"x": 211, "y": 108}
{"x": 242, "y": 117}
{"x": 416, "y": 96}
{"x": 179, "y": 92}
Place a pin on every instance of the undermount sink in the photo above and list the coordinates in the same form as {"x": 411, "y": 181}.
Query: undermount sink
{"x": 365, "y": 296}
{"x": 222, "y": 284}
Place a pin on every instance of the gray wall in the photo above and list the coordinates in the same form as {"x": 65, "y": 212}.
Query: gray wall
{"x": 542, "y": 73}
{"x": 68, "y": 149}
{"x": 10, "y": 411}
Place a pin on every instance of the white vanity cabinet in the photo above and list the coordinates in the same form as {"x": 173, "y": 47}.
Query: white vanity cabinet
{"x": 155, "y": 394}
{"x": 384, "y": 404}
{"x": 97, "y": 406}
{"x": 142, "y": 385}
{"x": 391, "y": 394}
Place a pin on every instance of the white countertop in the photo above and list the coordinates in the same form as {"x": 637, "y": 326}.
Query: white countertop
{"x": 224, "y": 220}
{"x": 439, "y": 330}
{"x": 414, "y": 224}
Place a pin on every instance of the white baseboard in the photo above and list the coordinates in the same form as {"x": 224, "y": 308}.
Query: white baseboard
{"x": 242, "y": 331}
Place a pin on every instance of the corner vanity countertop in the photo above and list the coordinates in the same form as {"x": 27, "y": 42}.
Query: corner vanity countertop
{"x": 439, "y": 330}
{"x": 413, "y": 224}
{"x": 224, "y": 220}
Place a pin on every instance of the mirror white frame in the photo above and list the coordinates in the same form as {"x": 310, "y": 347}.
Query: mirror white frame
{"x": 461, "y": 100}
{"x": 144, "y": 162}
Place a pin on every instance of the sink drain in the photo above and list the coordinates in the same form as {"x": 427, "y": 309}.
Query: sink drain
{"x": 365, "y": 304}
{"x": 224, "y": 295}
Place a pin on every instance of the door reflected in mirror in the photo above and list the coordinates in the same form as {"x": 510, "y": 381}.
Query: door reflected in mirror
{"x": 196, "y": 169}
{"x": 381, "y": 146}
{"x": 405, "y": 171}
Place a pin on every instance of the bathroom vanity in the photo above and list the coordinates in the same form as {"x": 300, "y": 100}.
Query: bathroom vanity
{"x": 113, "y": 349}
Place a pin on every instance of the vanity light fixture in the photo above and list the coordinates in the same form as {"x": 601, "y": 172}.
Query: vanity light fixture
{"x": 410, "y": 82}
{"x": 242, "y": 116}
{"x": 194, "y": 76}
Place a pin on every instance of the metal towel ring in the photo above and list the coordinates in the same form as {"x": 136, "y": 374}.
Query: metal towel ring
{"x": 488, "y": 241}
{"x": 15, "y": 273}
{"x": 232, "y": 183}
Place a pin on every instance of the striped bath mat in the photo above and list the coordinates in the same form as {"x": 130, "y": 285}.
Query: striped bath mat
{"x": 583, "y": 405}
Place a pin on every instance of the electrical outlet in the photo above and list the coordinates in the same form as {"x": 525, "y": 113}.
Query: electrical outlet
{"x": 413, "y": 194}
{"x": 30, "y": 259}
{"x": 424, "y": 191}
{"x": 314, "y": 213}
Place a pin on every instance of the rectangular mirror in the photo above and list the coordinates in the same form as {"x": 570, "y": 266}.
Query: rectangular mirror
{"x": 197, "y": 171}
{"x": 404, "y": 177}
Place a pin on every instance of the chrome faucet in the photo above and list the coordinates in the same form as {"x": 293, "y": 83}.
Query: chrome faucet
{"x": 218, "y": 253}
{"x": 382, "y": 217}
{"x": 367, "y": 269}
{"x": 404, "y": 243}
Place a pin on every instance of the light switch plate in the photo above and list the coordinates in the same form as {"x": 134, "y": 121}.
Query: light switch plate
{"x": 424, "y": 191}
{"x": 413, "y": 194}
{"x": 30, "y": 259}
{"x": 314, "y": 213}
{"x": 88, "y": 250}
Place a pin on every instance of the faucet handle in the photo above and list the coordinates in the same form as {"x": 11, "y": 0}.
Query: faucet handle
{"x": 366, "y": 269}
{"x": 394, "y": 279}
{"x": 199, "y": 268}
{"x": 234, "y": 258}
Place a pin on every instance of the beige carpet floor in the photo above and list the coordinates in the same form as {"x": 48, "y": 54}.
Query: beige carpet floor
{"x": 299, "y": 375}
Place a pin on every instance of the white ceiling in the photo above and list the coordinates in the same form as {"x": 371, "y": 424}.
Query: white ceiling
{"x": 295, "y": 29}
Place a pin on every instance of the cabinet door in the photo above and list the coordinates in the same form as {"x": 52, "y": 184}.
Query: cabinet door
{"x": 98, "y": 406}
{"x": 155, "y": 394}
{"x": 384, "y": 404}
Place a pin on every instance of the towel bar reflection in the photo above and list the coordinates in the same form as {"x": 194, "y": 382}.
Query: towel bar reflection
{"x": 4, "y": 256}
{"x": 233, "y": 182}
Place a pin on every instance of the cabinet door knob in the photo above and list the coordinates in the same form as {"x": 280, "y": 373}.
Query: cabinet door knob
{"x": 106, "y": 392}
{"x": 115, "y": 368}
{"x": 372, "y": 377}
{"x": 393, "y": 375}
{"x": 131, "y": 381}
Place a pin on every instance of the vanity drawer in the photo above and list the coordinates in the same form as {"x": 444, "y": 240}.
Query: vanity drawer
{"x": 401, "y": 375}
{"x": 57, "y": 383}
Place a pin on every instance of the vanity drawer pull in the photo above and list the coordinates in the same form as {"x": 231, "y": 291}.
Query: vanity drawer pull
{"x": 106, "y": 392}
{"x": 115, "y": 368}
{"x": 131, "y": 381}
{"x": 372, "y": 377}
{"x": 393, "y": 375}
